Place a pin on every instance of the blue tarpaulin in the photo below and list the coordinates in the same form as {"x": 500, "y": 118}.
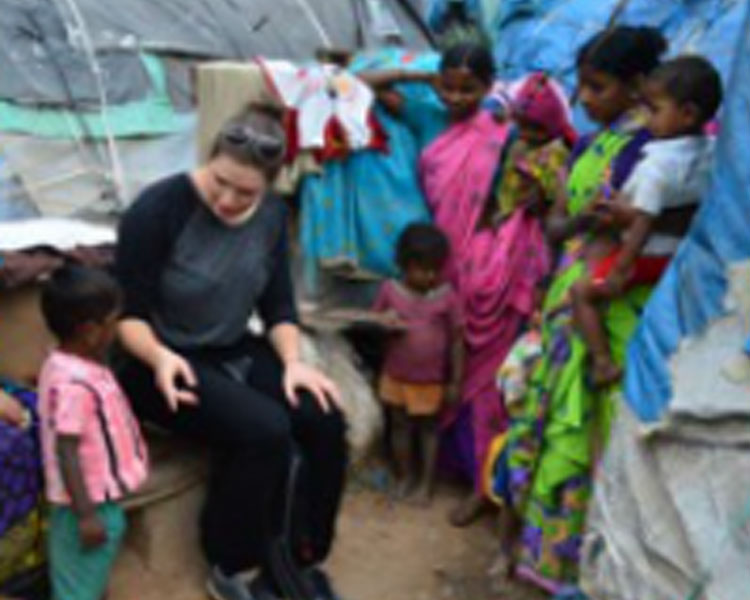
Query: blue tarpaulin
{"x": 693, "y": 291}
{"x": 545, "y": 34}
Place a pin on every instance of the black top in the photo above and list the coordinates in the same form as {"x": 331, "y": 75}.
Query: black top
{"x": 196, "y": 280}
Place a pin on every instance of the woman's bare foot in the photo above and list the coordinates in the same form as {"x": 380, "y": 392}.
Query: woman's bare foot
{"x": 468, "y": 511}
{"x": 500, "y": 567}
{"x": 604, "y": 371}
{"x": 406, "y": 488}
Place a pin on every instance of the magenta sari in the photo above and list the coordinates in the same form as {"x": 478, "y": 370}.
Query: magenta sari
{"x": 495, "y": 272}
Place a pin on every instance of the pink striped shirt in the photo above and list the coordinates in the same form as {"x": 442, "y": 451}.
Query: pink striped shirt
{"x": 81, "y": 398}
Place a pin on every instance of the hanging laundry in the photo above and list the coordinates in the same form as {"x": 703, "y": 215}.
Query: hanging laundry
{"x": 330, "y": 110}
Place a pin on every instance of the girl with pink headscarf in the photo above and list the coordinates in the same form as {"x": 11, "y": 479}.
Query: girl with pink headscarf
{"x": 500, "y": 253}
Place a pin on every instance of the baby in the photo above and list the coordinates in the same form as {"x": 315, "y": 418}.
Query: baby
{"x": 658, "y": 200}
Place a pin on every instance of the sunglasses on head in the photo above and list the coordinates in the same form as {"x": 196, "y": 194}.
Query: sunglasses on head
{"x": 263, "y": 146}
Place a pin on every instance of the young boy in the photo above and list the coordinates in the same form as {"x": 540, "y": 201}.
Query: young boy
{"x": 424, "y": 364}
{"x": 657, "y": 202}
{"x": 91, "y": 445}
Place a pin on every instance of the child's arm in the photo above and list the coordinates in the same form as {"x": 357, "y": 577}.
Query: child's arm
{"x": 91, "y": 531}
{"x": 382, "y": 84}
{"x": 383, "y": 306}
{"x": 458, "y": 357}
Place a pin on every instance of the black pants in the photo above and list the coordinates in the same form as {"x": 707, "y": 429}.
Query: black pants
{"x": 253, "y": 432}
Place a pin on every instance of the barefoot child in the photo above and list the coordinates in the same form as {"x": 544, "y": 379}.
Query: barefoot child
{"x": 91, "y": 444}
{"x": 423, "y": 365}
{"x": 658, "y": 199}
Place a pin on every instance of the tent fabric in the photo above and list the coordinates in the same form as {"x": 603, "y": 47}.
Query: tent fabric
{"x": 46, "y": 46}
{"x": 63, "y": 179}
{"x": 151, "y": 115}
{"x": 236, "y": 29}
{"x": 14, "y": 202}
{"x": 670, "y": 517}
{"x": 43, "y": 64}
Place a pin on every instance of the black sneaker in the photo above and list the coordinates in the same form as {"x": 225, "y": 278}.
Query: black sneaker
{"x": 245, "y": 586}
{"x": 321, "y": 584}
{"x": 264, "y": 589}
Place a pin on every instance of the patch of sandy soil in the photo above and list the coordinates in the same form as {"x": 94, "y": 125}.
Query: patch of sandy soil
{"x": 384, "y": 551}
{"x": 389, "y": 551}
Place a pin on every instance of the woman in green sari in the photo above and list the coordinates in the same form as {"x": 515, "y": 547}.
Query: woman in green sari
{"x": 545, "y": 470}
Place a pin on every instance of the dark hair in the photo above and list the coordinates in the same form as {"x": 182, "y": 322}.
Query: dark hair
{"x": 76, "y": 295}
{"x": 472, "y": 56}
{"x": 254, "y": 137}
{"x": 422, "y": 243}
{"x": 624, "y": 51}
{"x": 544, "y": 283}
{"x": 691, "y": 80}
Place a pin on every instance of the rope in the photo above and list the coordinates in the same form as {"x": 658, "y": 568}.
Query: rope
{"x": 317, "y": 25}
{"x": 118, "y": 177}
{"x": 71, "y": 112}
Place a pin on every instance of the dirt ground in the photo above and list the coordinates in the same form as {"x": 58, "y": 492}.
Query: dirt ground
{"x": 384, "y": 551}
{"x": 389, "y": 551}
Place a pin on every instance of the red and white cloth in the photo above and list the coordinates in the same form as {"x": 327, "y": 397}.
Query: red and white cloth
{"x": 330, "y": 110}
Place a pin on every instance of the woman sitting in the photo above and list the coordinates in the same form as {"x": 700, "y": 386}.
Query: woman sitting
{"x": 198, "y": 254}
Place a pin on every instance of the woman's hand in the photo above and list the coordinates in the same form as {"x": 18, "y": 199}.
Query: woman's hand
{"x": 175, "y": 379}
{"x": 11, "y": 411}
{"x": 299, "y": 376}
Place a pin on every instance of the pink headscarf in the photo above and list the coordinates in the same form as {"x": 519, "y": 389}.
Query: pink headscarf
{"x": 541, "y": 100}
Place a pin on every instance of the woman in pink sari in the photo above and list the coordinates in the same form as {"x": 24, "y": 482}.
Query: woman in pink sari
{"x": 499, "y": 251}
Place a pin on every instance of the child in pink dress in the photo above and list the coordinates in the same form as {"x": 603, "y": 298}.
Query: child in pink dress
{"x": 424, "y": 363}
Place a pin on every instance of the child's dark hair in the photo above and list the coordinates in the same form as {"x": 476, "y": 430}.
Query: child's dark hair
{"x": 624, "y": 51}
{"x": 472, "y": 56}
{"x": 424, "y": 244}
{"x": 692, "y": 80}
{"x": 75, "y": 295}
